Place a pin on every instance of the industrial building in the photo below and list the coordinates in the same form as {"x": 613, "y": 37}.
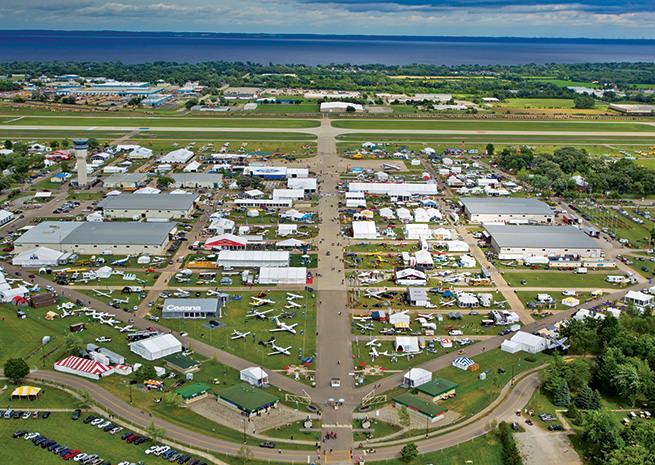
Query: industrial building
{"x": 341, "y": 107}
{"x": 628, "y": 109}
{"x": 198, "y": 180}
{"x": 5, "y": 217}
{"x": 127, "y": 181}
{"x": 191, "y": 308}
{"x": 273, "y": 172}
{"x": 306, "y": 184}
{"x": 519, "y": 242}
{"x": 97, "y": 237}
{"x": 507, "y": 210}
{"x": 251, "y": 258}
{"x": 148, "y": 205}
{"x": 177, "y": 156}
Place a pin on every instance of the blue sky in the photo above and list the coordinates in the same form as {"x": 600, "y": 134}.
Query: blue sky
{"x": 527, "y": 18}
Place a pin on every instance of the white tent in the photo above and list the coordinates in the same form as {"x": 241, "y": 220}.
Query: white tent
{"x": 40, "y": 256}
{"x": 177, "y": 156}
{"x": 423, "y": 258}
{"x": 386, "y": 213}
{"x": 290, "y": 243}
{"x": 364, "y": 230}
{"x": 417, "y": 231}
{"x": 286, "y": 229}
{"x": 638, "y": 298}
{"x": 254, "y": 375}
{"x": 282, "y": 275}
{"x": 156, "y": 347}
{"x": 421, "y": 215}
{"x": 416, "y": 377}
{"x": 103, "y": 272}
{"x": 526, "y": 342}
{"x": 407, "y": 344}
{"x": 457, "y": 246}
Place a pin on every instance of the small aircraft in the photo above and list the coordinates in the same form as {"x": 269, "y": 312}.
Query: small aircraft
{"x": 96, "y": 315}
{"x": 279, "y": 350}
{"x": 66, "y": 306}
{"x": 210, "y": 292}
{"x": 362, "y": 318}
{"x": 182, "y": 294}
{"x": 450, "y": 303}
{"x": 501, "y": 304}
{"x": 237, "y": 335}
{"x": 121, "y": 301}
{"x": 374, "y": 343}
{"x": 374, "y": 353}
{"x": 366, "y": 327}
{"x": 120, "y": 262}
{"x": 373, "y": 294}
{"x": 125, "y": 328}
{"x": 261, "y": 315}
{"x": 426, "y": 316}
{"x": 292, "y": 304}
{"x": 109, "y": 321}
{"x": 427, "y": 325}
{"x": 281, "y": 326}
{"x": 65, "y": 314}
{"x": 257, "y": 302}
{"x": 291, "y": 296}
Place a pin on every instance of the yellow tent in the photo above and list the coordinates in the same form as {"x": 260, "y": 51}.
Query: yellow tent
{"x": 26, "y": 391}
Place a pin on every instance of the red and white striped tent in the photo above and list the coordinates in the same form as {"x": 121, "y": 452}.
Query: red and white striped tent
{"x": 122, "y": 369}
{"x": 83, "y": 367}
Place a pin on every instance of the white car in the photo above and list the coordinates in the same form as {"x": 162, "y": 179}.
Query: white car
{"x": 118, "y": 429}
{"x": 104, "y": 423}
{"x": 29, "y": 436}
{"x": 79, "y": 457}
{"x": 162, "y": 450}
{"x": 97, "y": 421}
{"x": 103, "y": 339}
{"x": 152, "y": 449}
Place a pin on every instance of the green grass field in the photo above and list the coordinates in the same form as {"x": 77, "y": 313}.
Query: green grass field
{"x": 164, "y": 121}
{"x": 62, "y": 429}
{"x": 558, "y": 279}
{"x": 50, "y": 398}
{"x": 483, "y": 125}
{"x": 379, "y": 429}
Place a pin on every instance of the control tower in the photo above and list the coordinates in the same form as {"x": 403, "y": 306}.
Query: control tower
{"x": 81, "y": 152}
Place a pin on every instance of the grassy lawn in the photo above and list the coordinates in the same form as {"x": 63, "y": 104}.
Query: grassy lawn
{"x": 531, "y": 296}
{"x": 468, "y": 324}
{"x": 379, "y": 429}
{"x": 508, "y": 125}
{"x": 623, "y": 227}
{"x": 70, "y": 433}
{"x": 559, "y": 279}
{"x": 50, "y": 398}
{"x": 647, "y": 162}
{"x": 292, "y": 430}
{"x": 154, "y": 122}
{"x": 234, "y": 316}
{"x": 287, "y": 109}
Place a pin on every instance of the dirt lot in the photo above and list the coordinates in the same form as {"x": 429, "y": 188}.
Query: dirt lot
{"x": 542, "y": 447}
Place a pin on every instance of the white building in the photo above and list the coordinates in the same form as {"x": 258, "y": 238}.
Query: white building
{"x": 415, "y": 231}
{"x": 156, "y": 347}
{"x": 416, "y": 377}
{"x": 364, "y": 230}
{"x": 42, "y": 256}
{"x": 252, "y": 258}
{"x": 393, "y": 188}
{"x": 306, "y": 184}
{"x": 509, "y": 210}
{"x": 526, "y": 342}
{"x": 282, "y": 275}
{"x": 5, "y": 217}
{"x": 638, "y": 298}
{"x": 177, "y": 156}
{"x": 340, "y": 107}
{"x": 254, "y": 375}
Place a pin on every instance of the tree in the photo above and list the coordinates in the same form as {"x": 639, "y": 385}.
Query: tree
{"x": 628, "y": 380}
{"x": 191, "y": 103}
{"x": 562, "y": 397}
{"x": 93, "y": 143}
{"x": 165, "y": 181}
{"x": 403, "y": 417}
{"x": 83, "y": 399}
{"x": 15, "y": 369}
{"x": 596, "y": 402}
{"x": 573, "y": 413}
{"x": 145, "y": 371}
{"x": 245, "y": 454}
{"x": 599, "y": 424}
{"x": 584, "y": 102}
{"x": 172, "y": 400}
{"x": 490, "y": 149}
{"x": 8, "y": 144}
{"x": 73, "y": 344}
{"x": 350, "y": 109}
{"x": 54, "y": 144}
{"x": 65, "y": 143}
{"x": 583, "y": 398}
{"x": 154, "y": 432}
{"x": 65, "y": 167}
{"x": 409, "y": 452}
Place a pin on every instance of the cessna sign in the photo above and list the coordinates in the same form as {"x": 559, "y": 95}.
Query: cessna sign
{"x": 191, "y": 309}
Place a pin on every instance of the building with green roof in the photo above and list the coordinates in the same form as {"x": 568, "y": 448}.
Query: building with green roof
{"x": 437, "y": 389}
{"x": 193, "y": 392}
{"x": 248, "y": 398}
{"x": 421, "y": 407}
{"x": 182, "y": 363}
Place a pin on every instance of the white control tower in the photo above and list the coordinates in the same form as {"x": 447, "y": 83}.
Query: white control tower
{"x": 81, "y": 152}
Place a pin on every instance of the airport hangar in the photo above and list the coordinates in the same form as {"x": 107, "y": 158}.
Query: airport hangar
{"x": 517, "y": 211}
{"x": 122, "y": 238}
{"x": 517, "y": 242}
{"x": 148, "y": 205}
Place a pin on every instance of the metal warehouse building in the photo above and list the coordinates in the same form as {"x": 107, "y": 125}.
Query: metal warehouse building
{"x": 191, "y": 308}
{"x": 519, "y": 211}
{"x": 148, "y": 205}
{"x": 518, "y": 242}
{"x": 96, "y": 237}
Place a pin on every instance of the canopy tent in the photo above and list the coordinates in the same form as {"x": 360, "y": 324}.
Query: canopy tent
{"x": 290, "y": 243}
{"x": 254, "y": 375}
{"x": 156, "y": 347}
{"x": 571, "y": 302}
{"x": 83, "y": 367}
{"x": 282, "y": 275}
{"x": 40, "y": 256}
{"x": 29, "y": 392}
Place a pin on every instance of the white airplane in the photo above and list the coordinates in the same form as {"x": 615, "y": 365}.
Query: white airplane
{"x": 426, "y": 316}
{"x": 373, "y": 294}
{"x": 430, "y": 305}
{"x": 66, "y": 306}
{"x": 65, "y": 314}
{"x": 362, "y": 318}
{"x": 426, "y": 325}
{"x": 281, "y": 326}
{"x": 463, "y": 342}
{"x": 96, "y": 315}
{"x": 291, "y": 296}
{"x": 257, "y": 302}
{"x": 210, "y": 292}
{"x": 211, "y": 281}
{"x": 121, "y": 301}
{"x": 182, "y": 294}
{"x": 125, "y": 328}
{"x": 237, "y": 335}
{"x": 279, "y": 350}
{"x": 261, "y": 315}
{"x": 374, "y": 343}
{"x": 501, "y": 304}
{"x": 450, "y": 303}
{"x": 374, "y": 353}
{"x": 292, "y": 304}
{"x": 110, "y": 321}
{"x": 366, "y": 327}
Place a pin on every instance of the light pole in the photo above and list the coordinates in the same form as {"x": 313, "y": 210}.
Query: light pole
{"x": 244, "y": 430}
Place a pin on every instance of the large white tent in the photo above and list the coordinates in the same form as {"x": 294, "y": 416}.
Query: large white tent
{"x": 364, "y": 230}
{"x": 156, "y": 347}
{"x": 279, "y": 275}
{"x": 254, "y": 375}
{"x": 40, "y": 256}
{"x": 252, "y": 258}
{"x": 416, "y": 377}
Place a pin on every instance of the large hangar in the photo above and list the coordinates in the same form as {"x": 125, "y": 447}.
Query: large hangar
{"x": 518, "y": 211}
{"x": 517, "y": 242}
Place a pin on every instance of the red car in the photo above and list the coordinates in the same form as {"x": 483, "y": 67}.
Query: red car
{"x": 71, "y": 454}
{"x": 131, "y": 439}
{"x": 7, "y": 249}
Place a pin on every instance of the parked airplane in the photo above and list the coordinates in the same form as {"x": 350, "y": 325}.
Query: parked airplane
{"x": 121, "y": 301}
{"x": 261, "y": 315}
{"x": 374, "y": 343}
{"x": 449, "y": 303}
{"x": 210, "y": 292}
{"x": 277, "y": 349}
{"x": 120, "y": 262}
{"x": 66, "y": 306}
{"x": 237, "y": 335}
{"x": 292, "y": 304}
{"x": 373, "y": 294}
{"x": 281, "y": 326}
{"x": 125, "y": 328}
{"x": 182, "y": 294}
{"x": 109, "y": 321}
{"x": 65, "y": 314}
{"x": 291, "y": 296}
{"x": 362, "y": 318}
{"x": 427, "y": 316}
{"x": 373, "y": 353}
{"x": 366, "y": 327}
{"x": 96, "y": 315}
{"x": 257, "y": 302}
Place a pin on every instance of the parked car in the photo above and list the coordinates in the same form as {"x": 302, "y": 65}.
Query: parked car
{"x": 76, "y": 414}
{"x": 89, "y": 419}
{"x": 556, "y": 428}
{"x": 267, "y": 444}
{"x": 18, "y": 434}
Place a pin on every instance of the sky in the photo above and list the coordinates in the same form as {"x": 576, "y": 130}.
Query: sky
{"x": 523, "y": 18}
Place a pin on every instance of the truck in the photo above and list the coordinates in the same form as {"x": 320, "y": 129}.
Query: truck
{"x": 581, "y": 270}
{"x": 614, "y": 278}
{"x": 591, "y": 232}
